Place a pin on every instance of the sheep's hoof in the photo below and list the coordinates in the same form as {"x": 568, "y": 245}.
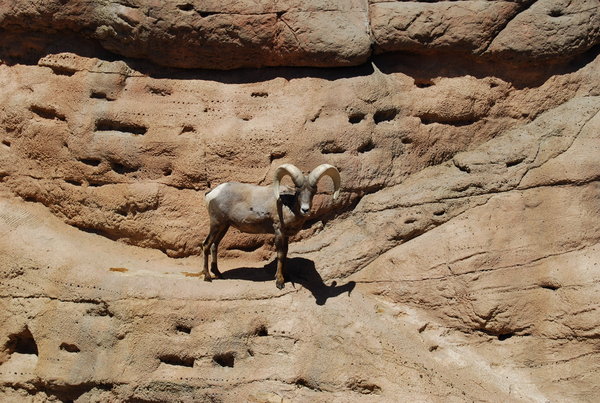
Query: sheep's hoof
{"x": 280, "y": 285}
{"x": 217, "y": 274}
{"x": 208, "y": 278}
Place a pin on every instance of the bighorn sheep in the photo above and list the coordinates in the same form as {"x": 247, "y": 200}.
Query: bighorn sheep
{"x": 263, "y": 210}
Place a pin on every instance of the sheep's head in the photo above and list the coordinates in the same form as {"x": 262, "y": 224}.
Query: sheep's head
{"x": 306, "y": 185}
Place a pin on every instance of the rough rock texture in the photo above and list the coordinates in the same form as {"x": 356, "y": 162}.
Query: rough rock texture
{"x": 549, "y": 28}
{"x": 460, "y": 264}
{"x": 522, "y": 30}
{"x": 130, "y": 156}
{"x": 208, "y": 34}
{"x": 233, "y": 34}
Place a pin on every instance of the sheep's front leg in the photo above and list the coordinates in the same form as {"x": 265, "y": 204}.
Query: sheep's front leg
{"x": 281, "y": 242}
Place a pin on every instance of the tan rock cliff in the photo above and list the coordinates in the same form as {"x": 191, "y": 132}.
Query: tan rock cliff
{"x": 461, "y": 262}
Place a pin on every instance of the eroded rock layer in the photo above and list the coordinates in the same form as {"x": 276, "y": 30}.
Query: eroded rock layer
{"x": 234, "y": 34}
{"x": 461, "y": 262}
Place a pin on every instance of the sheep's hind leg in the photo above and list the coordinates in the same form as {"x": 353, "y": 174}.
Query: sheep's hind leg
{"x": 206, "y": 247}
{"x": 213, "y": 252}
{"x": 282, "y": 248}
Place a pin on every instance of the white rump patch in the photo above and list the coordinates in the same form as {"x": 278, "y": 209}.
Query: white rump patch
{"x": 214, "y": 193}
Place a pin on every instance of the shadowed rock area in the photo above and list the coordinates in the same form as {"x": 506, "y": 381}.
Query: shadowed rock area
{"x": 460, "y": 263}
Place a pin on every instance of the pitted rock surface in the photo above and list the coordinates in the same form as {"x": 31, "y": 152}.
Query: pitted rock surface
{"x": 460, "y": 263}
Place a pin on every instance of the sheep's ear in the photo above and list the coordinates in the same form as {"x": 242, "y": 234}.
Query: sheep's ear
{"x": 283, "y": 170}
{"x": 326, "y": 170}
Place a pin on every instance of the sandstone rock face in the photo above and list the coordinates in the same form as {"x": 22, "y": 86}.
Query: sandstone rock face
{"x": 234, "y": 34}
{"x": 549, "y": 27}
{"x": 469, "y": 26}
{"x": 523, "y": 30}
{"x": 460, "y": 263}
{"x": 211, "y": 34}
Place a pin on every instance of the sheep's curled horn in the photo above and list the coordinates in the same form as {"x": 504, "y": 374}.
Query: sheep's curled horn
{"x": 329, "y": 170}
{"x": 287, "y": 169}
{"x": 313, "y": 178}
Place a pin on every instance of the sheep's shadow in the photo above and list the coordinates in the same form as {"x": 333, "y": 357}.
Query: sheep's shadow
{"x": 298, "y": 271}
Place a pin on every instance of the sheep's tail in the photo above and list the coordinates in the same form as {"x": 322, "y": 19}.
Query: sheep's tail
{"x": 211, "y": 194}
{"x": 208, "y": 197}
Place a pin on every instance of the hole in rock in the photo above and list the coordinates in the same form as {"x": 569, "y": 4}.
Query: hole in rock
{"x": 172, "y": 359}
{"x": 98, "y": 95}
{"x": 515, "y": 162}
{"x": 355, "y": 118}
{"x": 114, "y": 125}
{"x": 275, "y": 155}
{"x": 30, "y": 198}
{"x": 62, "y": 70}
{"x": 552, "y": 287}
{"x": 6, "y": 143}
{"x": 385, "y": 115}
{"x": 424, "y": 83}
{"x": 187, "y": 129}
{"x": 183, "y": 329}
{"x": 261, "y": 331}
{"x": 366, "y": 147}
{"x": 73, "y": 182}
{"x": 442, "y": 119}
{"x": 225, "y": 359}
{"x": 505, "y": 336}
{"x": 185, "y": 7}
{"x": 46, "y": 112}
{"x": 555, "y": 12}
{"x": 94, "y": 231}
{"x": 22, "y": 343}
{"x": 301, "y": 382}
{"x": 93, "y": 162}
{"x": 439, "y": 212}
{"x": 259, "y": 94}
{"x": 462, "y": 122}
{"x": 410, "y": 220}
{"x": 205, "y": 14}
{"x": 71, "y": 348}
{"x": 121, "y": 168}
